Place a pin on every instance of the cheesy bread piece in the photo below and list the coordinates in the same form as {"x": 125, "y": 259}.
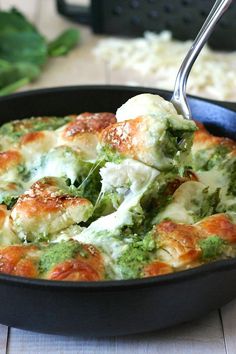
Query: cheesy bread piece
{"x": 11, "y": 166}
{"x": 126, "y": 182}
{"x": 72, "y": 261}
{"x": 184, "y": 246}
{"x": 69, "y": 261}
{"x": 214, "y": 163}
{"x": 221, "y": 225}
{"x": 82, "y": 133}
{"x": 61, "y": 161}
{"x": 145, "y": 104}
{"x": 172, "y": 246}
{"x": 177, "y": 244}
{"x": 160, "y": 139}
{"x": 7, "y": 236}
{"x": 9, "y": 193}
{"x": 34, "y": 144}
{"x": 190, "y": 202}
{"x": 11, "y": 132}
{"x": 156, "y": 268}
{"x": 208, "y": 150}
{"x": 21, "y": 260}
{"x": 46, "y": 208}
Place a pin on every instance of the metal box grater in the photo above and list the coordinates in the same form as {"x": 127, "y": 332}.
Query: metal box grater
{"x": 132, "y": 17}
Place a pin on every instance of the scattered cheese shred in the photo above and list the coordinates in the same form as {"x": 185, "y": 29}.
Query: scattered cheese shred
{"x": 157, "y": 58}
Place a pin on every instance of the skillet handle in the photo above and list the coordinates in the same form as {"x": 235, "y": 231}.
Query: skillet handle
{"x": 77, "y": 13}
{"x": 225, "y": 104}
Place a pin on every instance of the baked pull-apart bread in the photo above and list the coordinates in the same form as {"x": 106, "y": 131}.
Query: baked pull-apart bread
{"x": 100, "y": 196}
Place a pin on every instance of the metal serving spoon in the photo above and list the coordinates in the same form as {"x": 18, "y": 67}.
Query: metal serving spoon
{"x": 179, "y": 98}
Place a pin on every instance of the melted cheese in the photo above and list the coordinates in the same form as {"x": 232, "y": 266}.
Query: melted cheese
{"x": 144, "y": 104}
{"x": 186, "y": 201}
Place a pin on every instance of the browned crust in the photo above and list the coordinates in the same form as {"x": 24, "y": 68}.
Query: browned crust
{"x": 156, "y": 268}
{"x": 203, "y": 140}
{"x": 89, "y": 268}
{"x": 8, "y": 159}
{"x": 32, "y": 137}
{"x": 88, "y": 123}
{"x": 220, "y": 225}
{"x": 3, "y": 215}
{"x": 181, "y": 239}
{"x": 43, "y": 198}
{"x": 15, "y": 260}
{"x": 123, "y": 137}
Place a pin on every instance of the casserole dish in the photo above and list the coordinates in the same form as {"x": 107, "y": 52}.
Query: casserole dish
{"x": 113, "y": 307}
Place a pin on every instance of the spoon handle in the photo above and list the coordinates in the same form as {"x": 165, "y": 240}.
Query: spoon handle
{"x": 179, "y": 96}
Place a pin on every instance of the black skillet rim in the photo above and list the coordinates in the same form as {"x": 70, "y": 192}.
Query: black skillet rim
{"x": 185, "y": 275}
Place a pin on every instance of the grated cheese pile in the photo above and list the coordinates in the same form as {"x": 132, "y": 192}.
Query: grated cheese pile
{"x": 157, "y": 57}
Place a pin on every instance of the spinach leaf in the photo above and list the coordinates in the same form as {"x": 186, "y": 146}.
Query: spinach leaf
{"x": 24, "y": 51}
{"x": 26, "y": 47}
{"x": 14, "y": 21}
{"x": 63, "y": 43}
{"x": 13, "y": 76}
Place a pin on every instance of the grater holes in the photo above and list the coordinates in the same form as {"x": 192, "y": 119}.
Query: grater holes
{"x": 135, "y": 20}
{"x": 186, "y": 20}
{"x": 203, "y": 13}
{"x": 134, "y": 4}
{"x": 153, "y": 14}
{"x": 186, "y": 2}
{"x": 117, "y": 10}
{"x": 168, "y": 8}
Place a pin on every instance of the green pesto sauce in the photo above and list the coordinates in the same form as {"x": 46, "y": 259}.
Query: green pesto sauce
{"x": 139, "y": 253}
{"x": 88, "y": 184}
{"x": 206, "y": 160}
{"x": 106, "y": 153}
{"x": 211, "y": 247}
{"x": 207, "y": 206}
{"x": 57, "y": 253}
{"x": 17, "y": 129}
{"x": 174, "y": 141}
{"x": 231, "y": 170}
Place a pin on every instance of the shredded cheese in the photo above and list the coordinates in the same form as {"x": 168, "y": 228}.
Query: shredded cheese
{"x": 157, "y": 58}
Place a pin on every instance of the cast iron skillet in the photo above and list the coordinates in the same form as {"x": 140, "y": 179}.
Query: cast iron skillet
{"x": 113, "y": 307}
